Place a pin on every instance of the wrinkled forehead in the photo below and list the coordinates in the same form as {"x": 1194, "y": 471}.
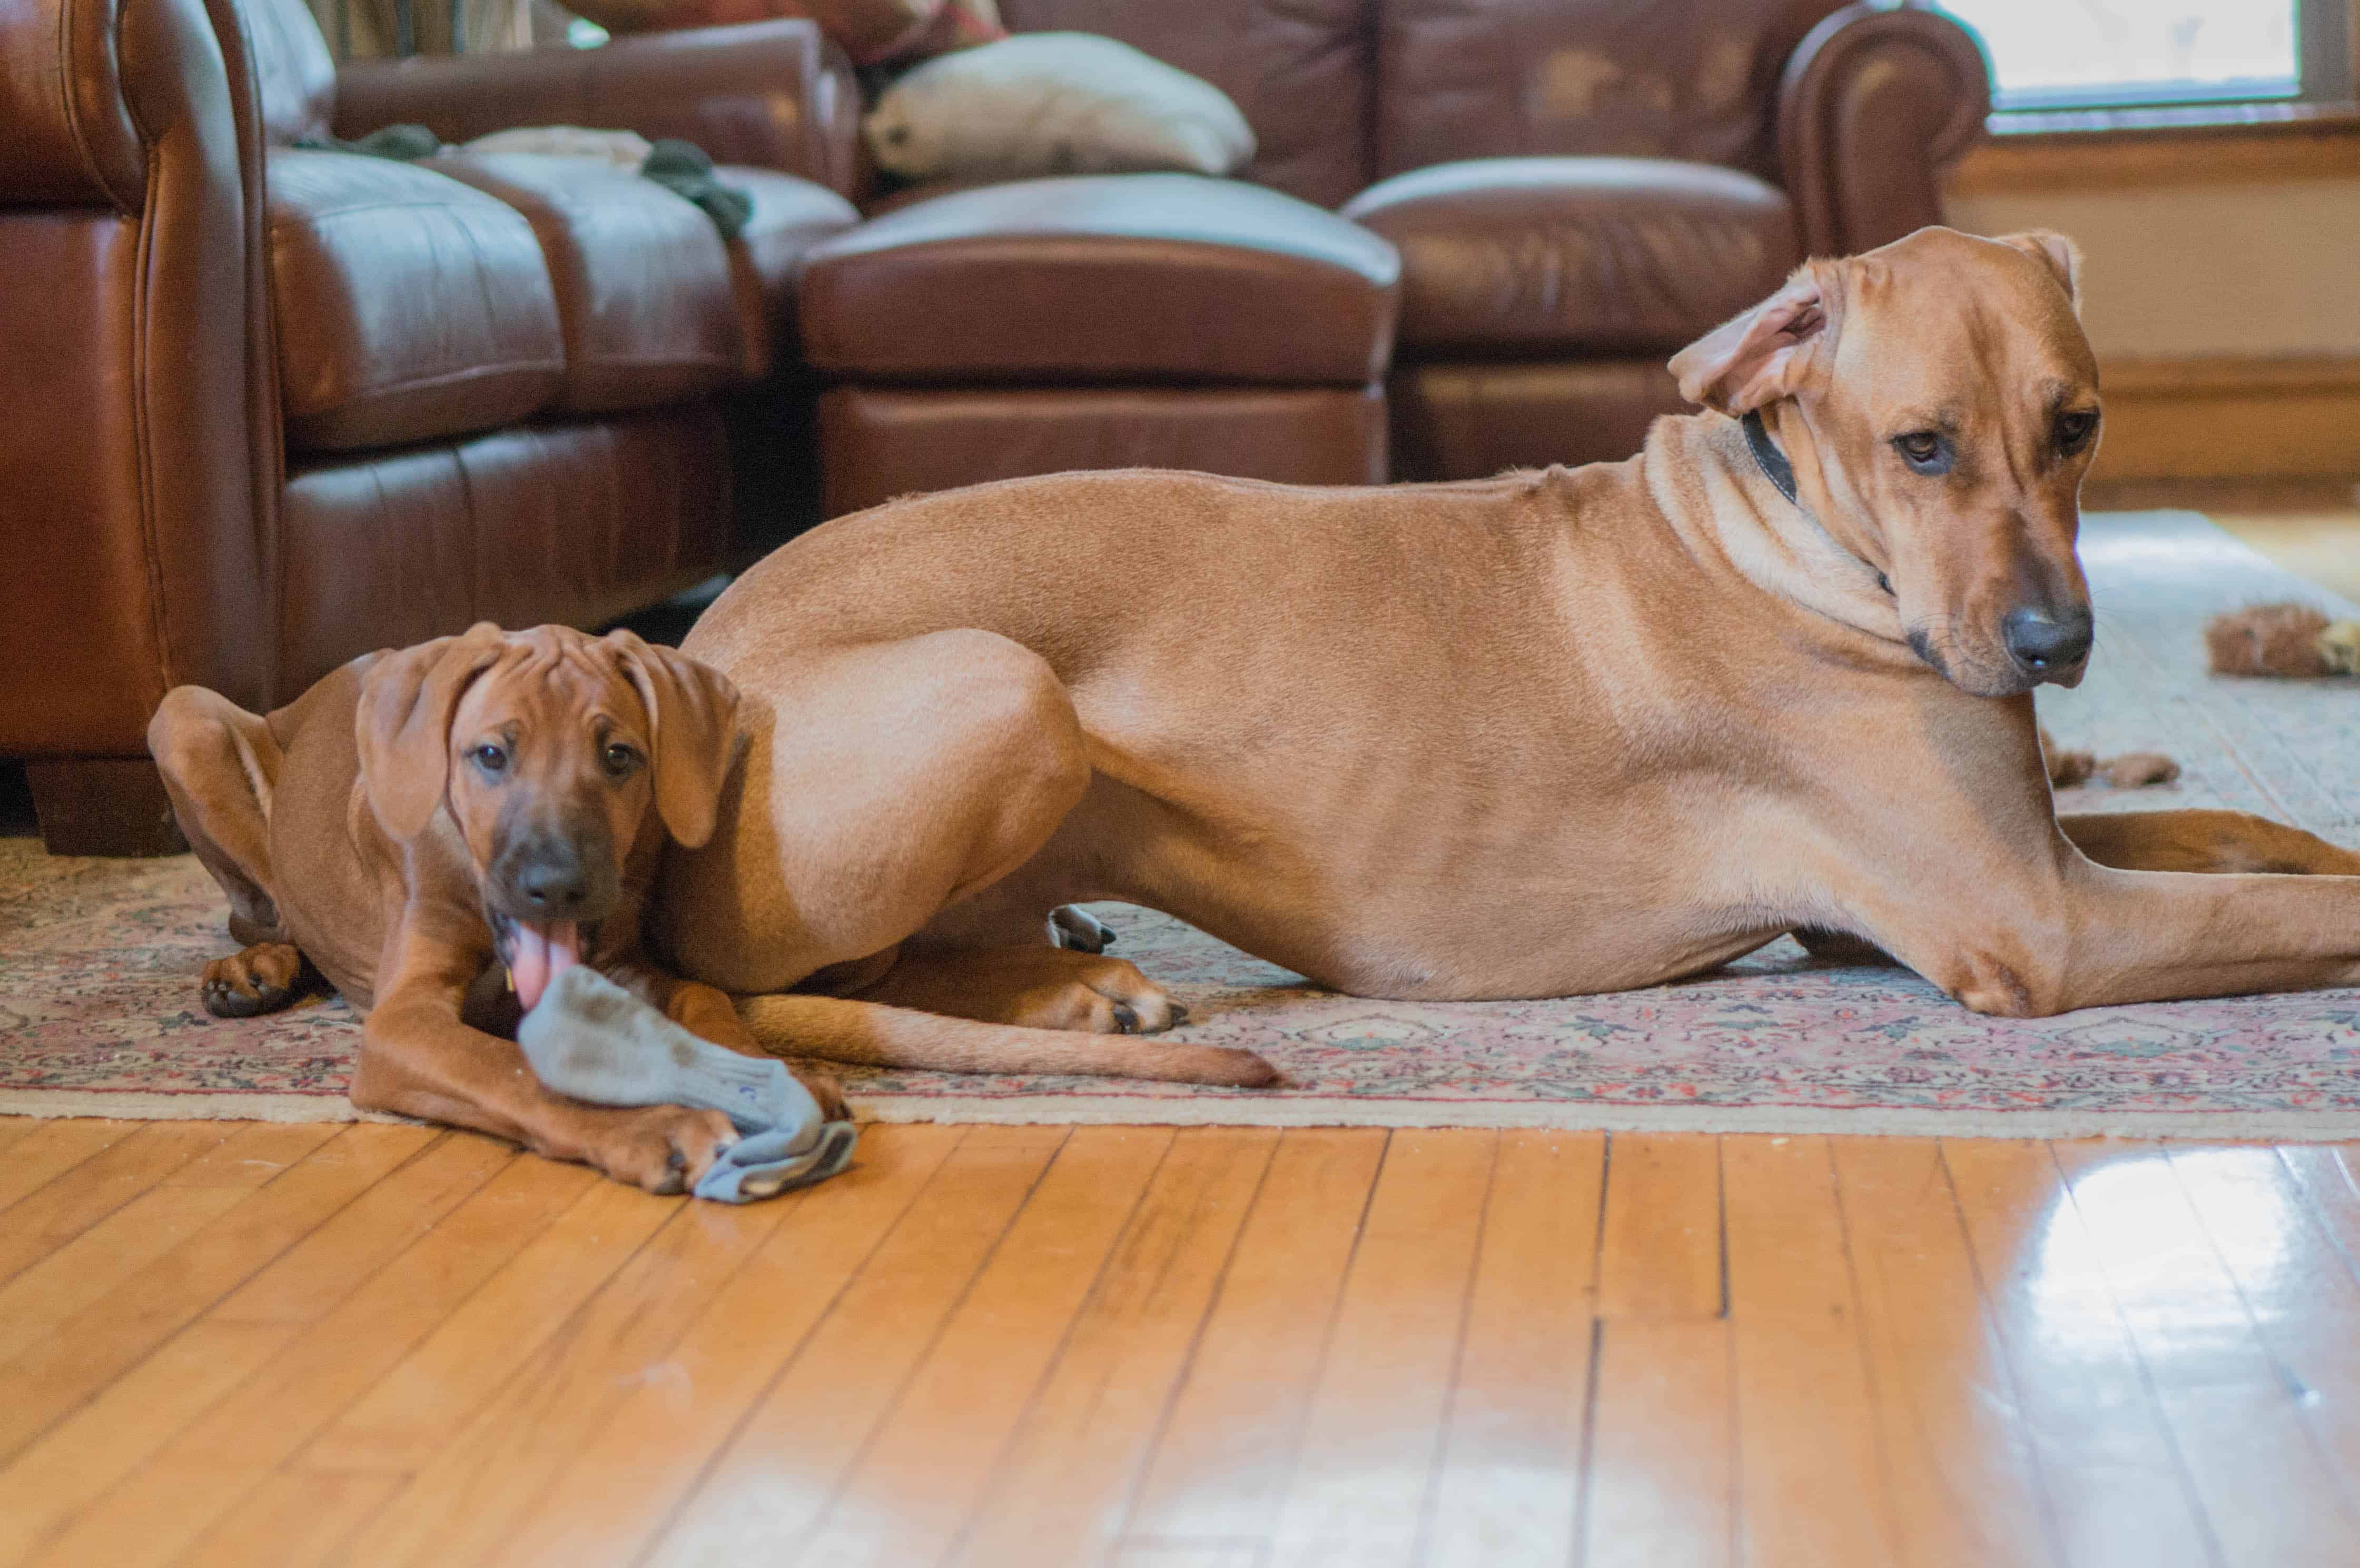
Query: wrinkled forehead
{"x": 1946, "y": 321}
{"x": 555, "y": 677}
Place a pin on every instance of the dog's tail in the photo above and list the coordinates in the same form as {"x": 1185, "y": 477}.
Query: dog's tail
{"x": 872, "y": 1034}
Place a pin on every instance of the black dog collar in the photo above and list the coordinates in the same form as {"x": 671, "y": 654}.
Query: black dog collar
{"x": 1768, "y": 458}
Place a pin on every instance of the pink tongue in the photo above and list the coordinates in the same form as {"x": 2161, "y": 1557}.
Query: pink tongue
{"x": 542, "y": 954}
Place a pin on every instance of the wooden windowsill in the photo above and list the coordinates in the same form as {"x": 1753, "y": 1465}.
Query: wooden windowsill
{"x": 2129, "y": 150}
{"x": 2177, "y": 121}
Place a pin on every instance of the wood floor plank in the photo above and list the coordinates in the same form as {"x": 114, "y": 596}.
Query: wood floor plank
{"x": 649, "y": 1449}
{"x": 1660, "y": 1250}
{"x": 614, "y": 1246}
{"x": 62, "y": 1285}
{"x": 1220, "y": 1465}
{"x": 1510, "y": 1463}
{"x": 469, "y": 1495}
{"x": 1810, "y": 1490}
{"x": 45, "y": 1219}
{"x": 1955, "y": 1450}
{"x": 14, "y": 1130}
{"x": 1058, "y": 1496}
{"x": 67, "y": 1366}
{"x": 293, "y": 1520}
{"x": 770, "y": 1482}
{"x": 64, "y": 1479}
{"x": 1369, "y": 1448}
{"x": 907, "y": 1497}
{"x": 2295, "y": 1284}
{"x": 310, "y": 1371}
{"x": 223, "y": 1456}
{"x": 1661, "y": 1489}
{"x": 2113, "y": 1479}
{"x": 122, "y": 1427}
{"x": 2323, "y": 1172}
{"x": 49, "y": 1149}
{"x": 2265, "y": 1486}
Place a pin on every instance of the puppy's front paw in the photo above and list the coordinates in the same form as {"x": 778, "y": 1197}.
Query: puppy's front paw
{"x": 657, "y": 1149}
{"x": 823, "y": 1090}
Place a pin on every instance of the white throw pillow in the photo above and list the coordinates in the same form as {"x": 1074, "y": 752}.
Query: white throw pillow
{"x": 1054, "y": 103}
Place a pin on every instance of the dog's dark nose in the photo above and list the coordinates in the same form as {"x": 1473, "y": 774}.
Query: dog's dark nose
{"x": 2043, "y": 640}
{"x": 551, "y": 880}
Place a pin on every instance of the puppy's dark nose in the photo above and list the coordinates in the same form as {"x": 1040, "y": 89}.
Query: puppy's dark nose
{"x": 550, "y": 879}
{"x": 2044, "y": 640}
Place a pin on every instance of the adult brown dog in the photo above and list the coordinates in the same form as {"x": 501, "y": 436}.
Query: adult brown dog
{"x": 421, "y": 821}
{"x": 1553, "y": 732}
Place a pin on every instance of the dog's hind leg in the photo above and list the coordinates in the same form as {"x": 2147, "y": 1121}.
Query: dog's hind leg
{"x": 220, "y": 765}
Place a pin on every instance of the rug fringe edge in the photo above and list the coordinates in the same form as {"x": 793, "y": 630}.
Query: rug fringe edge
{"x": 1062, "y": 1110}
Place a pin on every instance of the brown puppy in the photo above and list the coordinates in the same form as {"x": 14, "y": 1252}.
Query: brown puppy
{"x": 421, "y": 821}
{"x": 1554, "y": 732}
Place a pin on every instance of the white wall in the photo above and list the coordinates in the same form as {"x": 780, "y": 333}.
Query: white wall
{"x": 2206, "y": 269}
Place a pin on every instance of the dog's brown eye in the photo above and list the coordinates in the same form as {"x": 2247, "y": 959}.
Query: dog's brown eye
{"x": 2075, "y": 428}
{"x": 620, "y": 759}
{"x": 490, "y": 759}
{"x": 1924, "y": 451}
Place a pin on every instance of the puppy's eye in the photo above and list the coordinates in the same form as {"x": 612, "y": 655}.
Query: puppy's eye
{"x": 489, "y": 757}
{"x": 2074, "y": 430}
{"x": 620, "y": 759}
{"x": 1924, "y": 451}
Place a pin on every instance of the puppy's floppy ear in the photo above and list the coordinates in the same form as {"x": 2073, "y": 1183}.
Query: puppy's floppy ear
{"x": 692, "y": 713}
{"x": 403, "y": 723}
{"x": 1759, "y": 357}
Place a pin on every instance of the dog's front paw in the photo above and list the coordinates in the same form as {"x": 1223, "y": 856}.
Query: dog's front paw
{"x": 824, "y": 1089}
{"x": 657, "y": 1149}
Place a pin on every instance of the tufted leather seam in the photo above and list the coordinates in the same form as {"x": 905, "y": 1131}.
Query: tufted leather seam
{"x": 142, "y": 423}
{"x": 71, "y": 103}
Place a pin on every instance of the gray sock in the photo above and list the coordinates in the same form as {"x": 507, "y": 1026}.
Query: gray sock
{"x": 591, "y": 1039}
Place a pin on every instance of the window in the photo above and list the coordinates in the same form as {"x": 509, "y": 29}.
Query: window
{"x": 2068, "y": 54}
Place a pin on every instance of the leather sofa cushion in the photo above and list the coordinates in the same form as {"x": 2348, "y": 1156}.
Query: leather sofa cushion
{"x": 1533, "y": 255}
{"x": 766, "y": 258}
{"x": 408, "y": 307}
{"x": 1104, "y": 278}
{"x": 644, "y": 294}
{"x": 579, "y": 521}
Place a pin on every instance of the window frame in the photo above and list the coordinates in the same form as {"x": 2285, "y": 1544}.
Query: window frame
{"x": 2326, "y": 34}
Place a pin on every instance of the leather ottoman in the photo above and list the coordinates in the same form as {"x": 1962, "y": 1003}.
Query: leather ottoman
{"x": 1094, "y": 321}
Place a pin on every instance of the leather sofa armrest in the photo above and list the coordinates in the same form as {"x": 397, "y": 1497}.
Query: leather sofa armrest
{"x": 1875, "y": 106}
{"x": 772, "y": 95}
{"x": 143, "y": 437}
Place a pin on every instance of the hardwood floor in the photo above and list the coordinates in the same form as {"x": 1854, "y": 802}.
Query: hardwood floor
{"x": 264, "y": 1345}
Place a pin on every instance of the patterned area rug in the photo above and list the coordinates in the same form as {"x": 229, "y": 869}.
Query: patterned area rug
{"x": 99, "y": 963}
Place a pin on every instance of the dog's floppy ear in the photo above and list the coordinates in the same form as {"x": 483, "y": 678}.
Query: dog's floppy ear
{"x": 1759, "y": 357}
{"x": 403, "y": 723}
{"x": 692, "y": 714}
{"x": 2055, "y": 252}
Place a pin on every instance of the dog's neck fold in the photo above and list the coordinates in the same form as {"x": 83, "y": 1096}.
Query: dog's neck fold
{"x": 1732, "y": 513}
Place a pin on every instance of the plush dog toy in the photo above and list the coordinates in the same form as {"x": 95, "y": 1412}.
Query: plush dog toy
{"x": 2291, "y": 641}
{"x": 589, "y": 1038}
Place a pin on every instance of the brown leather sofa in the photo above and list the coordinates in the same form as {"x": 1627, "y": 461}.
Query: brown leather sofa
{"x": 266, "y": 408}
{"x": 1573, "y": 190}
